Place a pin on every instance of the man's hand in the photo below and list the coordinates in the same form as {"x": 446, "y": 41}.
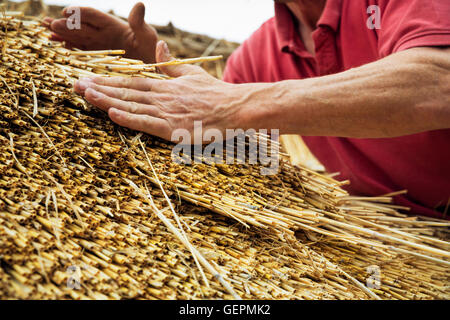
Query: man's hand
{"x": 101, "y": 31}
{"x": 159, "y": 107}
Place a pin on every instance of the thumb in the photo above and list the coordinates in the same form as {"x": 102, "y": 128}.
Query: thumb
{"x": 163, "y": 55}
{"x": 145, "y": 36}
{"x": 136, "y": 19}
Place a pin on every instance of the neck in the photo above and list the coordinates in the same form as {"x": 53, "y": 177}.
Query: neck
{"x": 308, "y": 13}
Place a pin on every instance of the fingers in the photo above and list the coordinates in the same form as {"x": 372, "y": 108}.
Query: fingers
{"x": 145, "y": 123}
{"x": 61, "y": 28}
{"x": 91, "y": 16}
{"x": 118, "y": 93}
{"x": 47, "y": 21}
{"x": 69, "y": 45}
{"x": 163, "y": 55}
{"x": 104, "y": 102}
{"x": 142, "y": 84}
{"x": 84, "y": 27}
{"x": 123, "y": 109}
{"x": 55, "y": 37}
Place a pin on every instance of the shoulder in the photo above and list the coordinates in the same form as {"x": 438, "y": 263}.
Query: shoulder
{"x": 242, "y": 66}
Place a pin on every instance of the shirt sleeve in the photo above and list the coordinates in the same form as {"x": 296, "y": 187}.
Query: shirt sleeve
{"x": 413, "y": 23}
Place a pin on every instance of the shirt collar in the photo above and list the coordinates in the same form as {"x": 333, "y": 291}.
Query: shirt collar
{"x": 288, "y": 38}
{"x": 331, "y": 15}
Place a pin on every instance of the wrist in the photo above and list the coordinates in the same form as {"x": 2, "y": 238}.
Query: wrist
{"x": 258, "y": 106}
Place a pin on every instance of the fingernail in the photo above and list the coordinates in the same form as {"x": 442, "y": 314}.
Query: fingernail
{"x": 87, "y": 79}
{"x": 83, "y": 85}
{"x": 166, "y": 48}
{"x": 115, "y": 113}
{"x": 112, "y": 111}
{"x": 58, "y": 25}
{"x": 95, "y": 94}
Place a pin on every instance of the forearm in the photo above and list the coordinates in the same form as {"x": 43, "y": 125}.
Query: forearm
{"x": 405, "y": 93}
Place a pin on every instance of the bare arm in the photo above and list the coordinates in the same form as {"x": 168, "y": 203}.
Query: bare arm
{"x": 405, "y": 93}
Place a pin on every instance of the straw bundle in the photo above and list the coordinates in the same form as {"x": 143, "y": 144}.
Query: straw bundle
{"x": 90, "y": 210}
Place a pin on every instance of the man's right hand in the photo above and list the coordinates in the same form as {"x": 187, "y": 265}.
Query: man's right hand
{"x": 102, "y": 31}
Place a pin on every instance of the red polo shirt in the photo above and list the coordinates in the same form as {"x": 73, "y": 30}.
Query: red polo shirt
{"x": 419, "y": 163}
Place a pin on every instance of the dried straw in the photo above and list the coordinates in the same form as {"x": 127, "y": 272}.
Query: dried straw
{"x": 296, "y": 235}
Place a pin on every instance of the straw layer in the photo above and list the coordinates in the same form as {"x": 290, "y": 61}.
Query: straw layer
{"x": 90, "y": 210}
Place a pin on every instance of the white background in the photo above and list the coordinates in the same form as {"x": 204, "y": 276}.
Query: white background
{"x": 233, "y": 20}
